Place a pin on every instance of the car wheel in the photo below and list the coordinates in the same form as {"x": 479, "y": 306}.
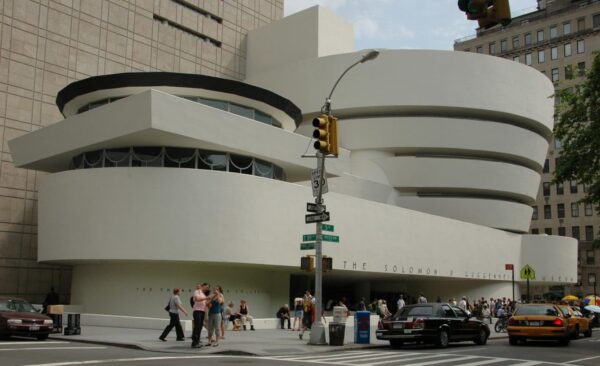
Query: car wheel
{"x": 443, "y": 339}
{"x": 396, "y": 343}
{"x": 564, "y": 341}
{"x": 513, "y": 341}
{"x": 42, "y": 337}
{"x": 481, "y": 338}
{"x": 575, "y": 334}
{"x": 588, "y": 333}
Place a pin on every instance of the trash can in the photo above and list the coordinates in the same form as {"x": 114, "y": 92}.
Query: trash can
{"x": 336, "y": 334}
{"x": 362, "y": 327}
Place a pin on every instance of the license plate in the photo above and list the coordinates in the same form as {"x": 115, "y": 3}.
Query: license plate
{"x": 534, "y": 324}
{"x": 34, "y": 327}
{"x": 398, "y": 325}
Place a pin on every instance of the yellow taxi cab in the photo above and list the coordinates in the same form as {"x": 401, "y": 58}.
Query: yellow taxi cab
{"x": 539, "y": 321}
{"x": 577, "y": 321}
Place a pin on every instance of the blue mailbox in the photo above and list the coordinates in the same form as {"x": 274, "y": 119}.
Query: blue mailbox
{"x": 362, "y": 327}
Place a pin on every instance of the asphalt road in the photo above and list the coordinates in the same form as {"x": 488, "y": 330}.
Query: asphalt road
{"x": 496, "y": 353}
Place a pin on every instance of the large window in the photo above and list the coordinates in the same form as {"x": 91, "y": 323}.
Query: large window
{"x": 540, "y": 35}
{"x": 541, "y": 56}
{"x": 566, "y": 28}
{"x": 528, "y": 59}
{"x": 581, "y": 68}
{"x": 573, "y": 186}
{"x": 562, "y": 231}
{"x": 574, "y": 209}
{"x": 567, "y": 49}
{"x": 589, "y": 233}
{"x": 575, "y": 232}
{"x": 555, "y": 77}
{"x": 547, "y": 212}
{"x": 553, "y": 31}
{"x": 560, "y": 188}
{"x": 548, "y": 231}
{"x": 546, "y": 189}
{"x": 527, "y": 39}
{"x": 503, "y": 45}
{"x": 588, "y": 209}
{"x": 534, "y": 215}
{"x": 560, "y": 210}
{"x": 580, "y": 46}
{"x": 596, "y": 21}
{"x": 554, "y": 53}
{"x": 515, "y": 42}
{"x": 177, "y": 157}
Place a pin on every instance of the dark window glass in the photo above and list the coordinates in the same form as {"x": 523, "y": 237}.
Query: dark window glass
{"x": 596, "y": 21}
{"x": 78, "y": 162}
{"x": 503, "y": 45}
{"x": 553, "y": 32}
{"x": 573, "y": 186}
{"x": 547, "y": 211}
{"x": 562, "y": 231}
{"x": 262, "y": 117}
{"x": 560, "y": 208}
{"x": 147, "y": 156}
{"x": 515, "y": 42}
{"x": 240, "y": 164}
{"x": 590, "y": 257}
{"x": 575, "y": 232}
{"x": 212, "y": 161}
{"x": 548, "y": 231}
{"x": 117, "y": 157}
{"x": 555, "y": 76}
{"x": 588, "y": 209}
{"x": 546, "y": 189}
{"x": 546, "y": 166}
{"x": 241, "y": 110}
{"x": 574, "y": 209}
{"x": 177, "y": 157}
{"x": 560, "y": 188}
{"x": 581, "y": 46}
{"x": 534, "y": 215}
{"x": 263, "y": 169}
{"x": 536, "y": 310}
{"x": 93, "y": 159}
{"x": 589, "y": 233}
{"x": 411, "y": 311}
{"x": 527, "y": 39}
{"x": 535, "y": 231}
{"x": 219, "y": 104}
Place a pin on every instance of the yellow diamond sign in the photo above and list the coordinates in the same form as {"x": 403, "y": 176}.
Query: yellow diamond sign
{"x": 527, "y": 273}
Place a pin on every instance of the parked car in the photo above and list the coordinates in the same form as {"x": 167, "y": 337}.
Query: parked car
{"x": 19, "y": 318}
{"x": 539, "y": 321}
{"x": 579, "y": 323}
{"x": 436, "y": 323}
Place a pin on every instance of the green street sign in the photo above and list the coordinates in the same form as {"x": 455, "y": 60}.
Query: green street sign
{"x": 527, "y": 273}
{"x": 331, "y": 238}
{"x": 309, "y": 237}
{"x": 328, "y": 228}
{"x": 307, "y": 246}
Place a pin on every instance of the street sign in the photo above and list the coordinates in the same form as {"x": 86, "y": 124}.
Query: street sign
{"x": 307, "y": 246}
{"x": 315, "y": 174}
{"x": 320, "y": 217}
{"x": 309, "y": 237}
{"x": 508, "y": 267}
{"x": 327, "y": 228}
{"x": 527, "y": 273}
{"x": 331, "y": 238}
{"x": 313, "y": 207}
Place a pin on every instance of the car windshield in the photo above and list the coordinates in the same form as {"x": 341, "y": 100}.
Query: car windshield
{"x": 536, "y": 310}
{"x": 19, "y": 306}
{"x": 410, "y": 311}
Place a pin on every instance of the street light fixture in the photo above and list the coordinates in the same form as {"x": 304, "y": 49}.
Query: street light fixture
{"x": 317, "y": 332}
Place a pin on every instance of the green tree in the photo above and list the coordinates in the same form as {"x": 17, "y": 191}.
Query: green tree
{"x": 578, "y": 128}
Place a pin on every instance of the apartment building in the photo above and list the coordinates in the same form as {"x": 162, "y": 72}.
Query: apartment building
{"x": 47, "y": 44}
{"x": 559, "y": 40}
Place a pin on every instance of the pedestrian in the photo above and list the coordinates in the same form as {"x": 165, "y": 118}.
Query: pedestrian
{"x": 384, "y": 311}
{"x": 307, "y": 314}
{"x": 298, "y": 310}
{"x": 361, "y": 305}
{"x": 284, "y": 314}
{"x": 214, "y": 317}
{"x": 245, "y": 315}
{"x": 463, "y": 303}
{"x": 401, "y": 303}
{"x": 222, "y": 315}
{"x": 52, "y": 298}
{"x": 174, "y": 307}
{"x": 422, "y": 299}
{"x": 199, "y": 313}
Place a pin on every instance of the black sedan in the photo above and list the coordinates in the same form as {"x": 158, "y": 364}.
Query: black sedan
{"x": 436, "y": 323}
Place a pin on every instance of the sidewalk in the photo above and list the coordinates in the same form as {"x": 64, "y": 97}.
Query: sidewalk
{"x": 265, "y": 342}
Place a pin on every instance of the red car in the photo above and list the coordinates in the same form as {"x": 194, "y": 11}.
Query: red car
{"x": 19, "y": 318}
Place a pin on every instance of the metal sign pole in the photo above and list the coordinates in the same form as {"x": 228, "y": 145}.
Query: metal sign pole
{"x": 513, "y": 284}
{"x": 317, "y": 332}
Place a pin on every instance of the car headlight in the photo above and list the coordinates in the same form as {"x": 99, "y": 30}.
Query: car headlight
{"x": 14, "y": 321}
{"x": 48, "y": 322}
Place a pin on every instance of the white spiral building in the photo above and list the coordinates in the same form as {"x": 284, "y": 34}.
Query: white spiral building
{"x": 160, "y": 180}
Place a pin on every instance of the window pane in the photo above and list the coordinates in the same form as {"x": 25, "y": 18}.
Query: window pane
{"x": 93, "y": 159}
{"x": 547, "y": 212}
{"x": 566, "y": 28}
{"x": 567, "y": 49}
{"x": 534, "y": 215}
{"x": 240, "y": 164}
{"x": 263, "y": 169}
{"x": 117, "y": 157}
{"x": 562, "y": 231}
{"x": 546, "y": 166}
{"x": 528, "y": 59}
{"x": 574, "y": 209}
{"x": 479, "y": 49}
{"x": 219, "y": 104}
{"x": 540, "y": 35}
{"x": 553, "y": 32}
{"x": 555, "y": 77}
{"x": 541, "y": 56}
{"x": 596, "y": 21}
{"x": 574, "y": 186}
{"x": 241, "y": 110}
{"x": 262, "y": 117}
{"x": 589, "y": 233}
{"x": 588, "y": 209}
{"x": 503, "y": 45}
{"x": 575, "y": 232}
{"x": 515, "y": 42}
{"x": 180, "y": 157}
{"x": 492, "y": 48}
{"x": 560, "y": 210}
{"x": 212, "y": 160}
{"x": 147, "y": 156}
{"x": 560, "y": 188}
{"x": 554, "y": 53}
{"x": 527, "y": 39}
{"x": 580, "y": 24}
{"x": 581, "y": 46}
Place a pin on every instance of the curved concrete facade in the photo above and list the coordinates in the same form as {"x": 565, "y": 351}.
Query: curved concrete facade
{"x": 437, "y": 126}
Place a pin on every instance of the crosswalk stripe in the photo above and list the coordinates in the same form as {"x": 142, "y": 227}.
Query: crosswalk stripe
{"x": 420, "y": 356}
{"x": 31, "y": 342}
{"x": 345, "y": 360}
{"x": 484, "y": 362}
{"x": 528, "y": 363}
{"x": 47, "y": 348}
{"x": 312, "y": 357}
{"x": 440, "y": 361}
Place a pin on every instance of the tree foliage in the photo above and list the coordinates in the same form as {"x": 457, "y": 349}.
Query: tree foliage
{"x": 578, "y": 128}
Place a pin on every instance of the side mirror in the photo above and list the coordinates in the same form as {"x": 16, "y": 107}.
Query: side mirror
{"x": 567, "y": 316}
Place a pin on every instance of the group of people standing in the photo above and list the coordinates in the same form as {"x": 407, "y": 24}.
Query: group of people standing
{"x": 204, "y": 301}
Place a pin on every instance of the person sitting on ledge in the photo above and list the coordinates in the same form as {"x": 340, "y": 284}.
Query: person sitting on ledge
{"x": 245, "y": 315}
{"x": 284, "y": 313}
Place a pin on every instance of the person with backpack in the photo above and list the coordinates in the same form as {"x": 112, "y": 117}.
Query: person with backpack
{"x": 308, "y": 315}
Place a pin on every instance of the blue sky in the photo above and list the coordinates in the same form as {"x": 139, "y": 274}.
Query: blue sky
{"x": 433, "y": 24}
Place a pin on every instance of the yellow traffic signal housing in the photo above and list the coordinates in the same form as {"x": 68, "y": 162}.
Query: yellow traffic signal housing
{"x": 488, "y": 13}
{"x": 326, "y": 134}
{"x": 307, "y": 263}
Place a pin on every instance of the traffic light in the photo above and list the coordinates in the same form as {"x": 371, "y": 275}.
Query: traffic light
{"x": 307, "y": 263}
{"x": 327, "y": 264}
{"x": 488, "y": 13}
{"x": 326, "y": 134}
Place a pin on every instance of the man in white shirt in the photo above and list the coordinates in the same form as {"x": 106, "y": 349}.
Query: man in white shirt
{"x": 422, "y": 299}
{"x": 463, "y": 303}
{"x": 401, "y": 303}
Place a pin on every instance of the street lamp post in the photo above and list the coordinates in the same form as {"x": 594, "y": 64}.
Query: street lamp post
{"x": 317, "y": 332}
